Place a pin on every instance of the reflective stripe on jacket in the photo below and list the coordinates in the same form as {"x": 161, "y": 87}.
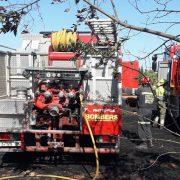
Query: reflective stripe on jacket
{"x": 143, "y": 122}
{"x": 145, "y": 98}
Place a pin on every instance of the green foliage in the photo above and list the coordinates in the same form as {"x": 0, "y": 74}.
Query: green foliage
{"x": 9, "y": 21}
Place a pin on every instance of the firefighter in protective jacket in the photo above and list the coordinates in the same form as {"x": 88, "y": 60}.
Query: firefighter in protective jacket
{"x": 160, "y": 93}
{"x": 146, "y": 104}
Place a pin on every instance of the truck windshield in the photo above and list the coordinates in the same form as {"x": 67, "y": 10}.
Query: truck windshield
{"x": 167, "y": 55}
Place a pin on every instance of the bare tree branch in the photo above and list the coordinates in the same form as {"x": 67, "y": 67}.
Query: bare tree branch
{"x": 28, "y": 5}
{"x": 137, "y": 28}
{"x": 155, "y": 49}
{"x": 114, "y": 8}
{"x": 164, "y": 10}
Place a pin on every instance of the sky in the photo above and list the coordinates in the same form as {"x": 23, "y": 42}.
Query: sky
{"x": 52, "y": 17}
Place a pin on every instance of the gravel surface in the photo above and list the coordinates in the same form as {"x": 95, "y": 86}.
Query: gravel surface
{"x": 160, "y": 162}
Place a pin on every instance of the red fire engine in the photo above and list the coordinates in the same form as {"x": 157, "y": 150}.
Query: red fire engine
{"x": 169, "y": 69}
{"x": 50, "y": 113}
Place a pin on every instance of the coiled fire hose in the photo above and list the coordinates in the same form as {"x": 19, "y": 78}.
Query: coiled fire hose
{"x": 63, "y": 40}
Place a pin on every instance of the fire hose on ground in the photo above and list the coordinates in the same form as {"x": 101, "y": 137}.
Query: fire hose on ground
{"x": 39, "y": 175}
{"x": 95, "y": 149}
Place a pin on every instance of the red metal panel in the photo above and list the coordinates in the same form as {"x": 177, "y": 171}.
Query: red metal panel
{"x": 129, "y": 74}
{"x": 175, "y": 71}
{"x": 63, "y": 56}
{"x": 175, "y": 77}
{"x": 5, "y": 137}
{"x": 103, "y": 119}
{"x": 178, "y": 78}
{"x": 59, "y": 56}
{"x": 87, "y": 38}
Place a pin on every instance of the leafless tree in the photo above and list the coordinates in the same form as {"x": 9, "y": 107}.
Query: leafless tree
{"x": 157, "y": 18}
{"x": 11, "y": 15}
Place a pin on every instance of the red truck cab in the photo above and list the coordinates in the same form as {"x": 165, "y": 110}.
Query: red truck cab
{"x": 130, "y": 75}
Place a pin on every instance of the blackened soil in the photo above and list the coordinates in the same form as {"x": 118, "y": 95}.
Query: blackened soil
{"x": 160, "y": 162}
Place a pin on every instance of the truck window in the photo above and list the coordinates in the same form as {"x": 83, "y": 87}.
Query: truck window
{"x": 167, "y": 55}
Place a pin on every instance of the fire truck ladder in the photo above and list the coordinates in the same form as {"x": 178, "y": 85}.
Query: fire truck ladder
{"x": 104, "y": 29}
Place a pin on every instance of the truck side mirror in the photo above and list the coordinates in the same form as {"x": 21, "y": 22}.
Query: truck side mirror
{"x": 154, "y": 62}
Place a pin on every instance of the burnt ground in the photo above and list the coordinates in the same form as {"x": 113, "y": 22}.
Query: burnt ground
{"x": 160, "y": 162}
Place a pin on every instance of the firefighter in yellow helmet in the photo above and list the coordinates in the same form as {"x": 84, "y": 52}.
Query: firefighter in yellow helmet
{"x": 160, "y": 93}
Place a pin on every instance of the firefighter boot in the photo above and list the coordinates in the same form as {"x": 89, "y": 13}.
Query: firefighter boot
{"x": 161, "y": 123}
{"x": 155, "y": 123}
